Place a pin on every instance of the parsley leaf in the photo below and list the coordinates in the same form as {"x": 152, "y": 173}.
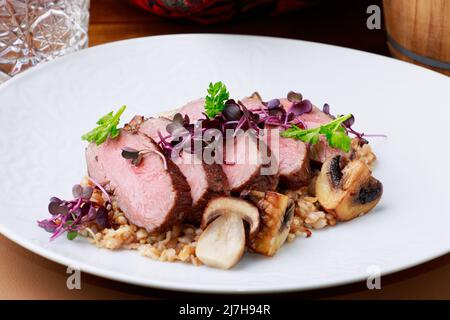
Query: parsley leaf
{"x": 333, "y": 131}
{"x": 107, "y": 126}
{"x": 216, "y": 98}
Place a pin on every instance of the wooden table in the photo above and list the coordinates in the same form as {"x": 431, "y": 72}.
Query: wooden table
{"x": 24, "y": 275}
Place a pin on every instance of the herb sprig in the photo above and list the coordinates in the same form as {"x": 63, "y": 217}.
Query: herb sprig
{"x": 216, "y": 98}
{"x": 334, "y": 132}
{"x": 107, "y": 127}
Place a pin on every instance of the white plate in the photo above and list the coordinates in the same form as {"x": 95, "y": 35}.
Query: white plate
{"x": 44, "y": 111}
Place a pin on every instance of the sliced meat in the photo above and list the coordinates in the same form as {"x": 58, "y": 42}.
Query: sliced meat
{"x": 313, "y": 119}
{"x": 292, "y": 155}
{"x": 194, "y": 110}
{"x": 207, "y": 181}
{"x": 240, "y": 172}
{"x": 320, "y": 151}
{"x": 249, "y": 167}
{"x": 149, "y": 195}
{"x": 295, "y": 170}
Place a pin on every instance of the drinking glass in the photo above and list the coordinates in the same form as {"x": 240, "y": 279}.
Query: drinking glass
{"x": 33, "y": 31}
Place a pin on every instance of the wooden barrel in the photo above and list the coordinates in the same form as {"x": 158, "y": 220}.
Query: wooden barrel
{"x": 419, "y": 32}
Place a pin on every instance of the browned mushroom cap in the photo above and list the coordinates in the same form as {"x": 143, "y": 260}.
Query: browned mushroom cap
{"x": 277, "y": 212}
{"x": 222, "y": 242}
{"x": 227, "y": 205}
{"x": 347, "y": 189}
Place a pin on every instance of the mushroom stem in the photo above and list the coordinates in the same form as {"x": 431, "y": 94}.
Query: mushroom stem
{"x": 222, "y": 243}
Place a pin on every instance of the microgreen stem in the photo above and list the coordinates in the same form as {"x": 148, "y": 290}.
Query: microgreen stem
{"x": 98, "y": 185}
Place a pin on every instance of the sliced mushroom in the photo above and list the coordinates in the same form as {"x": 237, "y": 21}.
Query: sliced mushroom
{"x": 227, "y": 205}
{"x": 222, "y": 242}
{"x": 277, "y": 212}
{"x": 347, "y": 189}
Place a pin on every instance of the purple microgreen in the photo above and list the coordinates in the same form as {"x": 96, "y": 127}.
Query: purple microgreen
{"x": 87, "y": 193}
{"x": 250, "y": 119}
{"x": 349, "y": 122}
{"x": 299, "y": 108}
{"x": 99, "y": 186}
{"x": 163, "y": 158}
{"x": 348, "y": 126}
{"x": 274, "y": 103}
{"x": 375, "y": 135}
{"x": 77, "y": 190}
{"x": 177, "y": 123}
{"x": 231, "y": 102}
{"x": 55, "y": 199}
{"x": 48, "y": 225}
{"x": 178, "y": 118}
{"x": 173, "y": 126}
{"x": 129, "y": 153}
{"x": 56, "y": 206}
{"x": 231, "y": 111}
{"x": 73, "y": 215}
{"x": 278, "y": 112}
{"x": 138, "y": 160}
{"x": 233, "y": 114}
{"x": 102, "y": 218}
{"x": 299, "y": 123}
{"x": 136, "y": 156}
{"x": 215, "y": 123}
{"x": 294, "y": 96}
{"x": 164, "y": 143}
{"x": 89, "y": 213}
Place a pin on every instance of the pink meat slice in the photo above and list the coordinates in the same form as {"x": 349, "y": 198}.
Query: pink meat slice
{"x": 292, "y": 154}
{"x": 294, "y": 165}
{"x": 149, "y": 195}
{"x": 205, "y": 180}
{"x": 248, "y": 163}
{"x": 241, "y": 173}
{"x": 320, "y": 151}
{"x": 194, "y": 110}
{"x": 313, "y": 119}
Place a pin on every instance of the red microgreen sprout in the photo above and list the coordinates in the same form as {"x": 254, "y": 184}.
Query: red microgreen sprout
{"x": 74, "y": 215}
{"x": 99, "y": 186}
{"x": 299, "y": 108}
{"x": 348, "y": 126}
{"x": 294, "y": 96}
{"x": 136, "y": 156}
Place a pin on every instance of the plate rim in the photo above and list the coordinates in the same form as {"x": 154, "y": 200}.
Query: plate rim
{"x": 45, "y": 64}
{"x": 184, "y": 287}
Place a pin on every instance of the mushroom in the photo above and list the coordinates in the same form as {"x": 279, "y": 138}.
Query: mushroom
{"x": 222, "y": 241}
{"x": 277, "y": 212}
{"x": 347, "y": 189}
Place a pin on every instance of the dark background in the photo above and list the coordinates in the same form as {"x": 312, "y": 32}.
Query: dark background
{"x": 338, "y": 22}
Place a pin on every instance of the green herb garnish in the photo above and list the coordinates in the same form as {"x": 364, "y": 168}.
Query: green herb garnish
{"x": 72, "y": 235}
{"x": 216, "y": 98}
{"x": 107, "y": 127}
{"x": 334, "y": 132}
